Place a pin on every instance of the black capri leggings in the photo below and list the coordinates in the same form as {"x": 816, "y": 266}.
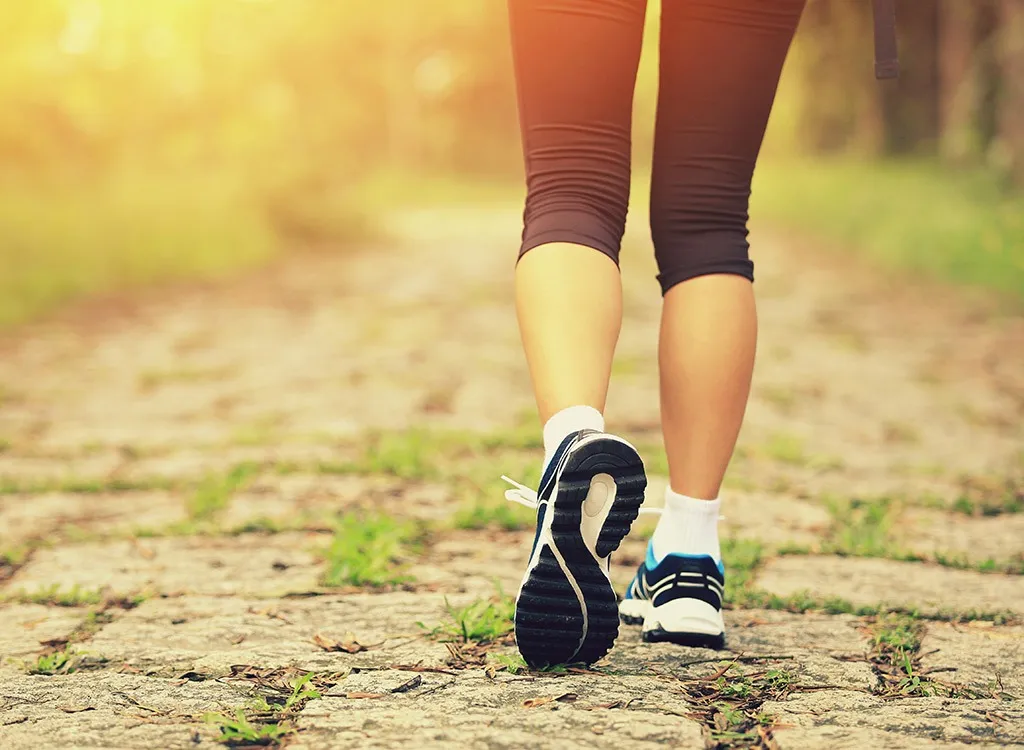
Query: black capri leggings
{"x": 576, "y": 63}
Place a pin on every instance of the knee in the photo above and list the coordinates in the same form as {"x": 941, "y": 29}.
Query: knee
{"x": 699, "y": 233}
{"x": 582, "y": 199}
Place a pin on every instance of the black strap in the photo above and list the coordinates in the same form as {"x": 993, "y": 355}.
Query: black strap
{"x": 887, "y": 63}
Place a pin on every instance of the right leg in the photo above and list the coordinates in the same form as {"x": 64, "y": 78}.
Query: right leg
{"x": 575, "y": 65}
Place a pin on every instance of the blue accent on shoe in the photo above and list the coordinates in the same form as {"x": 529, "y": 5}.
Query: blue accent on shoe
{"x": 679, "y": 576}
{"x": 650, "y": 562}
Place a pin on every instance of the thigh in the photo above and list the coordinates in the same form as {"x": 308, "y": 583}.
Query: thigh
{"x": 575, "y": 67}
{"x": 720, "y": 63}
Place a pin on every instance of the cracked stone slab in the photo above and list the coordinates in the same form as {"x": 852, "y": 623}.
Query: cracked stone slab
{"x": 828, "y": 716}
{"x": 320, "y": 496}
{"x": 24, "y": 626}
{"x": 858, "y": 738}
{"x": 243, "y": 565}
{"x": 43, "y": 469}
{"x": 210, "y": 634}
{"x": 985, "y": 658}
{"x": 195, "y": 462}
{"x": 474, "y": 711}
{"x": 755, "y": 631}
{"x": 491, "y": 556}
{"x": 865, "y": 581}
{"x": 105, "y": 513}
{"x": 930, "y": 532}
{"x": 809, "y": 668}
{"x": 812, "y": 647}
{"x": 110, "y": 710}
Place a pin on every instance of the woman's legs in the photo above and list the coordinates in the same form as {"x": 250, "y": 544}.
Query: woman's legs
{"x": 720, "y": 66}
{"x": 575, "y": 64}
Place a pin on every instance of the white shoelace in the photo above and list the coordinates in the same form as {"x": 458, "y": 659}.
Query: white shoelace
{"x": 525, "y": 496}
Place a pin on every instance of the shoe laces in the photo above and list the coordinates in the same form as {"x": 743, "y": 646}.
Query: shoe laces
{"x": 523, "y": 495}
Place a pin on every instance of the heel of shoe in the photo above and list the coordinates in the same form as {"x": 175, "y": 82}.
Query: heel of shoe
{"x": 687, "y": 622}
{"x": 634, "y": 611}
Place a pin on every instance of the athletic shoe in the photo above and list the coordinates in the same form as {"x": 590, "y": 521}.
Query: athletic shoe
{"x": 678, "y": 600}
{"x": 589, "y": 496}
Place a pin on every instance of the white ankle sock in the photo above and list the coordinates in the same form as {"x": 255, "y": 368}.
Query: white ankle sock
{"x": 570, "y": 419}
{"x": 688, "y": 526}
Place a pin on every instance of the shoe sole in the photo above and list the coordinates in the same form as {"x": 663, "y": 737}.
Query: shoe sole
{"x": 693, "y": 640}
{"x": 567, "y": 611}
{"x": 715, "y": 641}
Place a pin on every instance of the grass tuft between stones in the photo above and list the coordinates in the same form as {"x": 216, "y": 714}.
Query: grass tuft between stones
{"x": 481, "y": 621}
{"x": 369, "y": 549}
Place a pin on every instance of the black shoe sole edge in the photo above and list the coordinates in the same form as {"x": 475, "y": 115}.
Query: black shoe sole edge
{"x": 631, "y": 619}
{"x": 693, "y": 640}
{"x": 543, "y": 635}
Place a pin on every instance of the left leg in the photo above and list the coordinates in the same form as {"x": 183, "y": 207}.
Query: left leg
{"x": 575, "y": 66}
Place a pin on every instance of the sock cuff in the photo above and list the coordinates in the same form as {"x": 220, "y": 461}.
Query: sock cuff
{"x": 692, "y": 506}
{"x": 688, "y": 526}
{"x": 571, "y": 419}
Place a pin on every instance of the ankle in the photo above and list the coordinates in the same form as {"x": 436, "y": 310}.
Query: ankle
{"x": 688, "y": 526}
{"x": 566, "y": 421}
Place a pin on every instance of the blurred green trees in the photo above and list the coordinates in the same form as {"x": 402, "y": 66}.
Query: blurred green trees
{"x": 143, "y": 141}
{"x": 293, "y": 93}
{"x": 303, "y": 87}
{"x": 960, "y": 96}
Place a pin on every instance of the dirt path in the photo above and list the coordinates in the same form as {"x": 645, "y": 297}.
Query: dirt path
{"x": 171, "y": 479}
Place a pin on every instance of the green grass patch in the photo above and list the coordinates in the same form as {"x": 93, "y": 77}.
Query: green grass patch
{"x": 367, "y": 550}
{"x": 984, "y": 496}
{"x": 804, "y": 601}
{"x": 424, "y": 454}
{"x": 482, "y": 621}
{"x": 741, "y": 558}
{"x": 861, "y": 528}
{"x": 481, "y": 494}
{"x": 56, "y": 595}
{"x": 490, "y": 514}
{"x": 908, "y": 216}
{"x": 66, "y": 241}
{"x": 16, "y": 555}
{"x": 413, "y": 454}
{"x": 864, "y": 528}
{"x": 896, "y": 658}
{"x": 729, "y": 704}
{"x": 215, "y": 492}
{"x": 511, "y": 663}
{"x": 238, "y": 731}
{"x": 269, "y": 722}
{"x": 64, "y": 661}
{"x": 654, "y": 456}
{"x": 406, "y": 454}
{"x": 787, "y": 449}
{"x": 96, "y": 486}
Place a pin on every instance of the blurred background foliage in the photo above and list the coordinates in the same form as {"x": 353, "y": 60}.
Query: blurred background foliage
{"x": 168, "y": 139}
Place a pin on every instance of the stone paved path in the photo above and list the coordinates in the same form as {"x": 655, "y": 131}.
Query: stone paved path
{"x": 179, "y": 479}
